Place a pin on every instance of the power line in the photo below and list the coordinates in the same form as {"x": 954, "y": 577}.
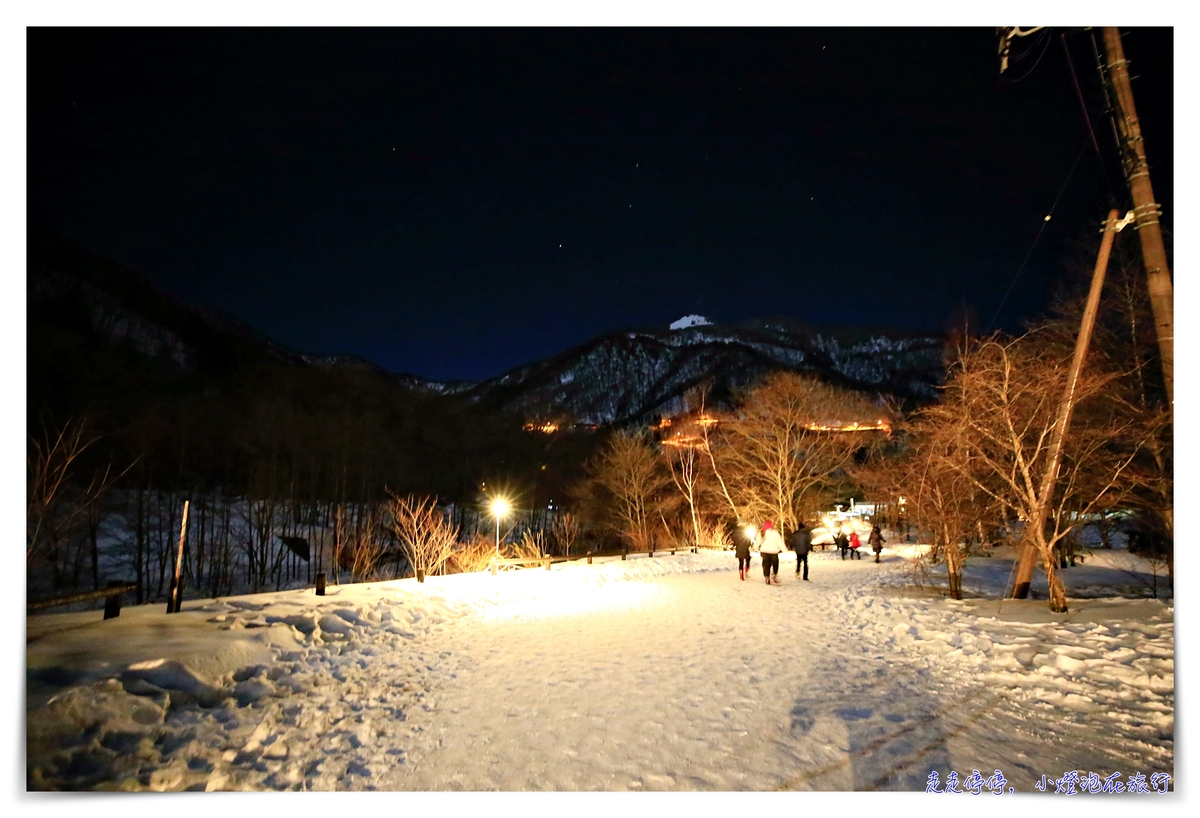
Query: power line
{"x": 1087, "y": 118}
{"x": 1045, "y": 37}
{"x": 1046, "y": 221}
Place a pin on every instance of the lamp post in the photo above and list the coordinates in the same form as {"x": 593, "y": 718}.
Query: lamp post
{"x": 499, "y": 508}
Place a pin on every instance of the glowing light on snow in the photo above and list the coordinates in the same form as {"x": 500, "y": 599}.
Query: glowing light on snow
{"x": 542, "y": 595}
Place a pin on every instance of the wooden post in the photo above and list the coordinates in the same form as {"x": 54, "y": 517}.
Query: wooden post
{"x": 1066, "y": 407}
{"x": 337, "y": 548}
{"x": 112, "y": 604}
{"x": 175, "y": 601}
{"x": 420, "y": 575}
{"x": 589, "y": 556}
{"x": 320, "y": 583}
{"x": 547, "y": 559}
{"x": 1145, "y": 210}
{"x": 624, "y": 554}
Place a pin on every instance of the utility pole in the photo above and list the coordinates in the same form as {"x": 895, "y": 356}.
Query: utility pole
{"x": 1066, "y": 407}
{"x": 1145, "y": 209}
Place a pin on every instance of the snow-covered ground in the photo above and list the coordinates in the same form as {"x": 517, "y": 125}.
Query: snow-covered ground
{"x": 649, "y": 674}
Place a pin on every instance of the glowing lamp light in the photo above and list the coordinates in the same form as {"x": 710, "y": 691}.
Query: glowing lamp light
{"x": 751, "y": 533}
{"x": 500, "y": 508}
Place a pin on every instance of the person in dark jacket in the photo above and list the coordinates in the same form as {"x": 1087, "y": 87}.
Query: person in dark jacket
{"x": 876, "y": 541}
{"x": 842, "y": 542}
{"x": 741, "y": 547}
{"x": 800, "y": 541}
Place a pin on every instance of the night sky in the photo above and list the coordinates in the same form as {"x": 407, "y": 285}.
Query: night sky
{"x": 453, "y": 203}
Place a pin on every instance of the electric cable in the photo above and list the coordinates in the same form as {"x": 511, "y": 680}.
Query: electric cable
{"x": 1042, "y": 229}
{"x": 1045, "y": 36}
{"x": 1086, "y": 118}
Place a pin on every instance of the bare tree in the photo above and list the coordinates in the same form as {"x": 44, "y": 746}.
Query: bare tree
{"x": 565, "y": 530}
{"x": 425, "y": 535}
{"x": 788, "y": 440}
{"x": 684, "y": 457}
{"x": 476, "y": 554}
{"x": 531, "y": 544}
{"x": 933, "y": 475}
{"x": 687, "y": 451}
{"x": 630, "y": 473}
{"x": 999, "y": 410}
{"x": 368, "y": 546}
{"x": 58, "y": 507}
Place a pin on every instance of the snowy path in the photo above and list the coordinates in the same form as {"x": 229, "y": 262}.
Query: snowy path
{"x": 687, "y": 688}
{"x": 664, "y": 674}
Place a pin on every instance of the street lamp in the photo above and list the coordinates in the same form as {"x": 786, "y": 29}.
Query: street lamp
{"x": 500, "y": 509}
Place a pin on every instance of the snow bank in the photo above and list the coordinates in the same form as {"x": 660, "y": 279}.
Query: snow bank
{"x": 665, "y": 673}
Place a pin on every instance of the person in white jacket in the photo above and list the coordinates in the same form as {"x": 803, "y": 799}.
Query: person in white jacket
{"x": 770, "y": 548}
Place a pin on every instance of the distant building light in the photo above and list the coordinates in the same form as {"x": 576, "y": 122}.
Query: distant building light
{"x": 545, "y": 428}
{"x": 878, "y": 426}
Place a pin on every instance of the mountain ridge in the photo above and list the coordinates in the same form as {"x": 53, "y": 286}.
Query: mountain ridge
{"x": 634, "y": 375}
{"x": 616, "y": 378}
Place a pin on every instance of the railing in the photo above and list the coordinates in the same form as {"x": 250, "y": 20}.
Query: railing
{"x": 111, "y": 595}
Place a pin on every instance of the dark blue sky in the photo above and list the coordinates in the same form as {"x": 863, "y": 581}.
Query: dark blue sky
{"x": 455, "y": 203}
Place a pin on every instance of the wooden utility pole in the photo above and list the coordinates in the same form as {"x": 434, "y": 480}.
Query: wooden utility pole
{"x": 1066, "y": 407}
{"x": 175, "y": 600}
{"x": 1145, "y": 209}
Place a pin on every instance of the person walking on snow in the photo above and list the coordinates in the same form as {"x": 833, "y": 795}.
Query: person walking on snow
{"x": 855, "y": 544}
{"x": 769, "y": 549}
{"x": 841, "y": 542}
{"x": 876, "y": 541}
{"x": 800, "y": 541}
{"x": 741, "y": 547}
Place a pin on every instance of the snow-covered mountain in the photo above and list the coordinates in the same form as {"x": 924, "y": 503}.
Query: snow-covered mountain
{"x": 636, "y": 375}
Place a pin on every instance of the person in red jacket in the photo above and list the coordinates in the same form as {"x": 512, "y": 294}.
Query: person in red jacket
{"x": 855, "y": 544}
